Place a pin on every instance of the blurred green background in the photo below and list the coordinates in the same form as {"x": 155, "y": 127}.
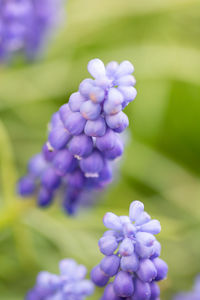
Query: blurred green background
{"x": 161, "y": 164}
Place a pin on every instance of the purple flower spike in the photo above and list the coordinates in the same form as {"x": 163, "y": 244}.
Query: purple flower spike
{"x": 83, "y": 140}
{"x": 131, "y": 256}
{"x": 26, "y": 26}
{"x": 69, "y": 284}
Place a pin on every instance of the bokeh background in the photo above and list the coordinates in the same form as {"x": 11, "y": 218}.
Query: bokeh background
{"x": 161, "y": 164}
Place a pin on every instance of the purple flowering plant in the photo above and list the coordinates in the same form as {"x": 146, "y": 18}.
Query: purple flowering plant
{"x": 25, "y": 25}
{"x": 70, "y": 284}
{"x": 84, "y": 139}
{"x": 131, "y": 257}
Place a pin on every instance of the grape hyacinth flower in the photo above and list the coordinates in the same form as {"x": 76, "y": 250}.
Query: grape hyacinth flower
{"x": 69, "y": 284}
{"x": 25, "y": 25}
{"x": 131, "y": 257}
{"x": 84, "y": 138}
{"x": 193, "y": 295}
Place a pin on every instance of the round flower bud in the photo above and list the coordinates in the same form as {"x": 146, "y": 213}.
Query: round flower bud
{"x": 161, "y": 268}
{"x": 45, "y": 197}
{"x": 95, "y": 128}
{"x": 37, "y": 165}
{"x": 116, "y": 151}
{"x": 59, "y": 137}
{"x": 109, "y": 293}
{"x": 155, "y": 291}
{"x": 26, "y": 186}
{"x": 126, "y": 80}
{"x": 90, "y": 110}
{"x": 75, "y": 123}
{"x": 152, "y": 226}
{"x": 98, "y": 276}
{"x": 75, "y": 101}
{"x": 107, "y": 245}
{"x": 107, "y": 141}
{"x": 156, "y": 249}
{"x": 111, "y": 68}
{"x": 76, "y": 179}
{"x": 146, "y": 271}
{"x": 80, "y": 146}
{"x": 128, "y": 92}
{"x": 110, "y": 265}
{"x": 97, "y": 94}
{"x": 135, "y": 210}
{"x": 48, "y": 153}
{"x": 96, "y": 68}
{"x": 142, "y": 218}
{"x": 126, "y": 248}
{"x": 142, "y": 290}
{"x": 93, "y": 164}
{"x": 125, "y": 68}
{"x": 50, "y": 179}
{"x": 118, "y": 122}
{"x": 85, "y": 87}
{"x": 123, "y": 284}
{"x": 64, "y": 113}
{"x": 130, "y": 263}
{"x": 63, "y": 162}
{"x": 112, "y": 221}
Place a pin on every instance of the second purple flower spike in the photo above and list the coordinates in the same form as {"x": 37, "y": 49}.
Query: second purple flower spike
{"x": 84, "y": 138}
{"x": 69, "y": 284}
{"x": 25, "y": 25}
{"x": 131, "y": 257}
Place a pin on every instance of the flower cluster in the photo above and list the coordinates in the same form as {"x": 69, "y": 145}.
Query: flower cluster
{"x": 193, "y": 295}
{"x": 70, "y": 284}
{"x": 25, "y": 25}
{"x": 84, "y": 138}
{"x": 131, "y": 256}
